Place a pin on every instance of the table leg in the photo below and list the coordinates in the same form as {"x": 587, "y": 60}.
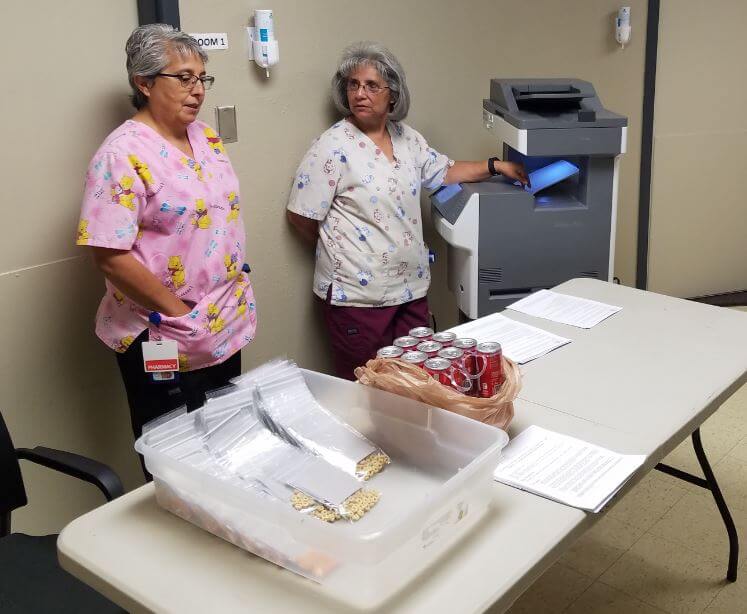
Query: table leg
{"x": 711, "y": 484}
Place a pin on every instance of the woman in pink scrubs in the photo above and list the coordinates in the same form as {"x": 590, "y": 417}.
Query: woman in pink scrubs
{"x": 161, "y": 215}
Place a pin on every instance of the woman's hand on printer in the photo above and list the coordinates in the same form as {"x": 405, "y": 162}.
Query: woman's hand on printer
{"x": 513, "y": 170}
{"x": 466, "y": 172}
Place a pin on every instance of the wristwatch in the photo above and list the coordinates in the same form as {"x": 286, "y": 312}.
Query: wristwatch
{"x": 491, "y": 166}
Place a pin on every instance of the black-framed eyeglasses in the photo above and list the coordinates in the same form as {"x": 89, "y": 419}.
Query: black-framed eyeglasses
{"x": 370, "y": 87}
{"x": 188, "y": 81}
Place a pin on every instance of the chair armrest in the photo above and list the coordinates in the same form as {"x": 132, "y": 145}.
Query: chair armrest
{"x": 81, "y": 467}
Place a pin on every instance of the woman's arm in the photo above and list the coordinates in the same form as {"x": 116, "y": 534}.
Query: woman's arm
{"x": 140, "y": 285}
{"x": 308, "y": 228}
{"x": 466, "y": 172}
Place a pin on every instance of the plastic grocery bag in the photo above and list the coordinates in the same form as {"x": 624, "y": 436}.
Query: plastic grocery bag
{"x": 411, "y": 381}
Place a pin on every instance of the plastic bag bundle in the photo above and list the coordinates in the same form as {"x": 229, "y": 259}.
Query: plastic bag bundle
{"x": 288, "y": 408}
{"x": 267, "y": 433}
{"x": 182, "y": 437}
{"x": 243, "y": 445}
{"x": 411, "y": 381}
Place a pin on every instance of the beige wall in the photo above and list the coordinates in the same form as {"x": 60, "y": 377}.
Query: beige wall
{"x": 698, "y": 214}
{"x": 450, "y": 51}
{"x": 59, "y": 386}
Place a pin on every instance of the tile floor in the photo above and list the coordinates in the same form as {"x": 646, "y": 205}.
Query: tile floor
{"x": 663, "y": 547}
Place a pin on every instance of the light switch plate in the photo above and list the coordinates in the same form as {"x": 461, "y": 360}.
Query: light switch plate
{"x": 225, "y": 118}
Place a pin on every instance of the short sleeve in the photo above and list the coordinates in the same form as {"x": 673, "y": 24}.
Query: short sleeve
{"x": 433, "y": 165}
{"x": 315, "y": 184}
{"x": 114, "y": 198}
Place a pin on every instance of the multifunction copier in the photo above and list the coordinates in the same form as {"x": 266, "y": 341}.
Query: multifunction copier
{"x": 505, "y": 241}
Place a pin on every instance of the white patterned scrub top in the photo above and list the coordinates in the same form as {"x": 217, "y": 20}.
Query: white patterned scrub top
{"x": 370, "y": 247}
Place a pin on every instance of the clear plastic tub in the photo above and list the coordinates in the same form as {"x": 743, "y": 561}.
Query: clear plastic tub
{"x": 434, "y": 492}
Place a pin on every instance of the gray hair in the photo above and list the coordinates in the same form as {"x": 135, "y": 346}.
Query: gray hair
{"x": 147, "y": 52}
{"x": 366, "y": 53}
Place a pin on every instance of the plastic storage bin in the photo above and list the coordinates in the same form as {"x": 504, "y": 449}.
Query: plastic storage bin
{"x": 434, "y": 492}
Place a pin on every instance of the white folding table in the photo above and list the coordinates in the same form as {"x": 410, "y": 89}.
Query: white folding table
{"x": 660, "y": 367}
{"x": 638, "y": 383}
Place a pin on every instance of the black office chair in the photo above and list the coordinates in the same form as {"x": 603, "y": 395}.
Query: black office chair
{"x": 31, "y": 580}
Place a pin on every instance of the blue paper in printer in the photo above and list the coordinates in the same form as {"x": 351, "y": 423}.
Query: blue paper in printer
{"x": 550, "y": 175}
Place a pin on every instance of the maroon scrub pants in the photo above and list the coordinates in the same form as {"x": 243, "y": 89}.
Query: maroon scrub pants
{"x": 355, "y": 333}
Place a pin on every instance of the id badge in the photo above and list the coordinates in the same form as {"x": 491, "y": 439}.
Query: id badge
{"x": 164, "y": 376}
{"x": 161, "y": 360}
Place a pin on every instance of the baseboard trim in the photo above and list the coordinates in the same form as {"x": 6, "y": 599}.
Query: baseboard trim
{"x": 738, "y": 298}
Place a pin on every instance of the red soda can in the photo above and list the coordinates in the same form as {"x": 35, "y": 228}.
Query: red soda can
{"x": 462, "y": 380}
{"x": 469, "y": 346}
{"x": 455, "y": 355}
{"x": 415, "y": 358}
{"x": 491, "y": 379}
{"x": 445, "y": 338}
{"x": 406, "y": 343}
{"x": 431, "y": 348}
{"x": 390, "y": 351}
{"x": 465, "y": 343}
{"x": 439, "y": 369}
{"x": 421, "y": 333}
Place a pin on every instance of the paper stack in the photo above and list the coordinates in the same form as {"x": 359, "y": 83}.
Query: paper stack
{"x": 565, "y": 469}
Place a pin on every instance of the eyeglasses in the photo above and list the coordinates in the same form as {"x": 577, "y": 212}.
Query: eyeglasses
{"x": 370, "y": 87}
{"x": 189, "y": 81}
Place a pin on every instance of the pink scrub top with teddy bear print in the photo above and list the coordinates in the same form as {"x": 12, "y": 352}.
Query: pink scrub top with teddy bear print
{"x": 180, "y": 218}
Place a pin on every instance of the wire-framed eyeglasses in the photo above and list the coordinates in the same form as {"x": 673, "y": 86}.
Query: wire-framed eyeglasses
{"x": 369, "y": 87}
{"x": 188, "y": 81}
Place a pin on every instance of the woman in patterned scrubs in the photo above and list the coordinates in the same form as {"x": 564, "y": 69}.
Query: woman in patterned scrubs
{"x": 161, "y": 215}
{"x": 357, "y": 195}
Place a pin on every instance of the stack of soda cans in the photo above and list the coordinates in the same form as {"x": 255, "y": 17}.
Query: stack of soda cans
{"x": 464, "y": 364}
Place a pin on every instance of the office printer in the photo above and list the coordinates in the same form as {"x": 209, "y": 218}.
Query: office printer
{"x": 504, "y": 241}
